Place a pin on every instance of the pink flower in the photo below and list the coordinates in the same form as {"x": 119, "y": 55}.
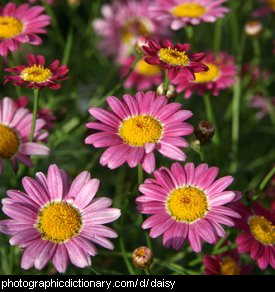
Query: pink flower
{"x": 268, "y": 7}
{"x": 182, "y": 12}
{"x": 36, "y": 75}
{"x": 187, "y": 203}
{"x": 21, "y": 24}
{"x": 220, "y": 76}
{"x": 136, "y": 127}
{"x": 15, "y": 128}
{"x": 258, "y": 234}
{"x": 174, "y": 58}
{"x": 261, "y": 104}
{"x": 55, "y": 221}
{"x": 227, "y": 263}
{"x": 143, "y": 77}
{"x": 123, "y": 22}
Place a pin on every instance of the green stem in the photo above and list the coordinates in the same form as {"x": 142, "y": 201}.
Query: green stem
{"x": 217, "y": 36}
{"x": 125, "y": 258}
{"x": 68, "y": 47}
{"x": 36, "y": 94}
{"x": 190, "y": 34}
{"x": 236, "y": 124}
{"x": 211, "y": 118}
{"x": 267, "y": 179}
{"x": 120, "y": 84}
{"x": 166, "y": 83}
{"x": 257, "y": 50}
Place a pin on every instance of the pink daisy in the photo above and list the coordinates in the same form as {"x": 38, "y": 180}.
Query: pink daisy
{"x": 258, "y": 236}
{"x": 220, "y": 76}
{"x": 15, "y": 127}
{"x": 182, "y": 12}
{"x": 174, "y": 58}
{"x": 56, "y": 222}
{"x": 21, "y": 24}
{"x": 123, "y": 22}
{"x": 137, "y": 126}
{"x": 143, "y": 77}
{"x": 36, "y": 75}
{"x": 227, "y": 263}
{"x": 187, "y": 203}
{"x": 261, "y": 104}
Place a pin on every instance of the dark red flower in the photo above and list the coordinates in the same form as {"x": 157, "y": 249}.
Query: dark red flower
{"x": 174, "y": 58}
{"x": 36, "y": 75}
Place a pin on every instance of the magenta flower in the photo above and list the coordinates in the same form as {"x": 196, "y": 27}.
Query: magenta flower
{"x": 174, "y": 58}
{"x": 182, "y": 12}
{"x": 262, "y": 105}
{"x": 268, "y": 7}
{"x": 187, "y": 203}
{"x": 56, "y": 222}
{"x": 15, "y": 127}
{"x": 123, "y": 22}
{"x": 36, "y": 75}
{"x": 227, "y": 263}
{"x": 137, "y": 126}
{"x": 220, "y": 76}
{"x": 21, "y": 24}
{"x": 258, "y": 236}
{"x": 143, "y": 77}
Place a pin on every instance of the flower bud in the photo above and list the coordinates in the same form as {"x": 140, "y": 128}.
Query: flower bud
{"x": 253, "y": 28}
{"x": 141, "y": 41}
{"x": 171, "y": 92}
{"x": 142, "y": 257}
{"x": 204, "y": 131}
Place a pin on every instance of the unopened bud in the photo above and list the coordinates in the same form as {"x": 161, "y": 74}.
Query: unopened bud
{"x": 253, "y": 28}
{"x": 73, "y": 3}
{"x": 142, "y": 257}
{"x": 141, "y": 41}
{"x": 171, "y": 92}
{"x": 204, "y": 131}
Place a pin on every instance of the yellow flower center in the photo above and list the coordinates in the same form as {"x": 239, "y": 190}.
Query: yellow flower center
{"x": 133, "y": 29}
{"x": 173, "y": 57}
{"x": 139, "y": 130}
{"x": 192, "y": 10}
{"x": 9, "y": 142}
{"x": 187, "y": 204}
{"x": 229, "y": 267}
{"x": 58, "y": 222}
{"x": 271, "y": 4}
{"x": 36, "y": 74}
{"x": 262, "y": 229}
{"x": 10, "y": 27}
{"x": 146, "y": 69}
{"x": 211, "y": 75}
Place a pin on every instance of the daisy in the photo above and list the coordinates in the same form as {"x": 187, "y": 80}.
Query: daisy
{"x": 123, "y": 22}
{"x": 227, "y": 263}
{"x": 21, "y": 24}
{"x": 262, "y": 104}
{"x": 56, "y": 222}
{"x": 268, "y": 7}
{"x": 174, "y": 58}
{"x": 220, "y": 76}
{"x": 182, "y": 12}
{"x": 15, "y": 127}
{"x": 258, "y": 236}
{"x": 144, "y": 75}
{"x": 136, "y": 127}
{"x": 36, "y": 75}
{"x": 187, "y": 203}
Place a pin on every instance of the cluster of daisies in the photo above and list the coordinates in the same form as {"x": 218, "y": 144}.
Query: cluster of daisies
{"x": 55, "y": 220}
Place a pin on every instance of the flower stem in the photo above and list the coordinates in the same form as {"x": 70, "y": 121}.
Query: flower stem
{"x": 217, "y": 36}
{"x": 267, "y": 179}
{"x": 36, "y": 94}
{"x": 211, "y": 117}
{"x": 120, "y": 84}
{"x": 166, "y": 83}
{"x": 236, "y": 123}
{"x": 140, "y": 181}
{"x": 68, "y": 47}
